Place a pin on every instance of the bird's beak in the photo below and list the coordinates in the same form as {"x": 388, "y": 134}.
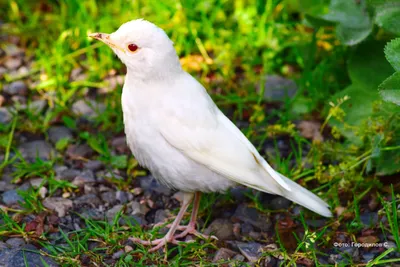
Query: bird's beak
{"x": 105, "y": 38}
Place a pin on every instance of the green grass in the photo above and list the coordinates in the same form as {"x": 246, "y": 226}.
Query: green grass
{"x": 230, "y": 46}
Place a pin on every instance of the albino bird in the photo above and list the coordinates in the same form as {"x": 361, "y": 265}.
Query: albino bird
{"x": 176, "y": 131}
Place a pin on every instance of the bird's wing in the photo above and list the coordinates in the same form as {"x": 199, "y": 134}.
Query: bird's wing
{"x": 206, "y": 136}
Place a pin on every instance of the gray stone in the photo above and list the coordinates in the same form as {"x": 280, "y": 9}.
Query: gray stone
{"x": 118, "y": 254}
{"x": 84, "y": 177}
{"x": 111, "y": 213}
{"x": 279, "y": 203}
{"x": 93, "y": 165}
{"x": 39, "y": 148}
{"x": 17, "y": 257}
{"x": 252, "y": 250}
{"x": 13, "y": 63}
{"x": 79, "y": 151}
{"x": 58, "y": 204}
{"x": 59, "y": 132}
{"x": 160, "y": 216}
{"x": 5, "y": 116}
{"x": 63, "y": 173}
{"x": 369, "y": 218}
{"x": 16, "y": 88}
{"x": 93, "y": 214}
{"x": 108, "y": 197}
{"x": 277, "y": 88}
{"x": 89, "y": 109}
{"x": 15, "y": 242}
{"x": 250, "y": 215}
{"x": 221, "y": 228}
{"x": 90, "y": 199}
{"x": 133, "y": 220}
{"x": 11, "y": 197}
{"x": 223, "y": 254}
{"x": 137, "y": 209}
{"x": 149, "y": 183}
{"x": 37, "y": 106}
{"x": 123, "y": 196}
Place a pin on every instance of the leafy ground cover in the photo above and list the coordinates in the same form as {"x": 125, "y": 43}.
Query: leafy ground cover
{"x": 312, "y": 85}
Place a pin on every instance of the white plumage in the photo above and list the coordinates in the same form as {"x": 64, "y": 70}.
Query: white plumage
{"x": 176, "y": 131}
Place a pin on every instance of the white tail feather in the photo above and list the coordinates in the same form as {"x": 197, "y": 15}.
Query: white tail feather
{"x": 302, "y": 196}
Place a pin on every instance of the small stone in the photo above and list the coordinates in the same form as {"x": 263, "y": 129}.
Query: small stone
{"x": 109, "y": 197}
{"x": 11, "y": 197}
{"x": 91, "y": 200}
{"x": 58, "y": 204}
{"x": 223, "y": 254}
{"x": 89, "y": 189}
{"x": 128, "y": 249}
{"x": 278, "y": 88}
{"x": 42, "y": 192}
{"x": 368, "y": 257}
{"x": 160, "y": 216}
{"x": 120, "y": 145}
{"x": 373, "y": 203}
{"x": 66, "y": 174}
{"x": 56, "y": 133}
{"x": 12, "y": 50}
{"x": 36, "y": 182}
{"x": 311, "y": 130}
{"x": 93, "y": 165}
{"x": 279, "y": 203}
{"x": 16, "y": 88}
{"x": 66, "y": 194}
{"x": 252, "y": 250}
{"x": 123, "y": 197}
{"x": 13, "y": 63}
{"x": 111, "y": 213}
{"x": 252, "y": 216}
{"x": 5, "y": 116}
{"x": 132, "y": 220}
{"x": 89, "y": 109}
{"x": 26, "y": 254}
{"x": 118, "y": 254}
{"x": 137, "y": 191}
{"x": 15, "y": 242}
{"x": 221, "y": 228}
{"x": 2, "y": 99}
{"x": 149, "y": 183}
{"x": 137, "y": 208}
{"x": 369, "y": 218}
{"x": 93, "y": 214}
{"x": 32, "y": 150}
{"x": 37, "y": 106}
{"x": 87, "y": 176}
{"x": 79, "y": 151}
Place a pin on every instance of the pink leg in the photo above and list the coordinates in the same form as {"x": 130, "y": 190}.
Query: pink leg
{"x": 169, "y": 237}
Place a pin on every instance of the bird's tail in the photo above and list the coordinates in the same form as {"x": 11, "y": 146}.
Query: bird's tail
{"x": 302, "y": 196}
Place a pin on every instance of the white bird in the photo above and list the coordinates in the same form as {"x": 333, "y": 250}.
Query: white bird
{"x": 176, "y": 131}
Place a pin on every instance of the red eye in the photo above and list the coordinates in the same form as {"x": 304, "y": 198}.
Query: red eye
{"x": 132, "y": 47}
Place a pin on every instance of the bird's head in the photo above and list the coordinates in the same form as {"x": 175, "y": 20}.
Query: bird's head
{"x": 143, "y": 47}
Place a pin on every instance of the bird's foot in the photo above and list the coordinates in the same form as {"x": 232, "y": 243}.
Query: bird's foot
{"x": 158, "y": 243}
{"x": 191, "y": 230}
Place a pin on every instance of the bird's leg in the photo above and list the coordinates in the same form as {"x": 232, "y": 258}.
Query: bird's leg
{"x": 169, "y": 237}
{"x": 191, "y": 227}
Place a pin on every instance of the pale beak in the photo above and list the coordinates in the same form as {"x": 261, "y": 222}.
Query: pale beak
{"x": 105, "y": 38}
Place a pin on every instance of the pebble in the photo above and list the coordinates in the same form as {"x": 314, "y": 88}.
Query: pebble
{"x": 2, "y": 99}
{"x": 5, "y": 116}
{"x": 111, "y": 213}
{"x": 11, "y": 197}
{"x": 136, "y": 208}
{"x": 39, "y": 148}
{"x": 252, "y": 250}
{"x": 79, "y": 151}
{"x": 149, "y": 183}
{"x": 123, "y": 196}
{"x": 160, "y": 216}
{"x": 16, "y": 88}
{"x": 92, "y": 213}
{"x": 18, "y": 257}
{"x": 279, "y": 203}
{"x": 13, "y": 63}
{"x": 56, "y": 133}
{"x": 369, "y": 218}
{"x": 58, "y": 204}
{"x": 89, "y": 109}
{"x": 84, "y": 177}
{"x": 15, "y": 242}
{"x": 120, "y": 145}
{"x": 108, "y": 197}
{"x": 90, "y": 199}
{"x": 118, "y": 254}
{"x": 37, "y": 106}
{"x": 221, "y": 228}
{"x": 63, "y": 173}
{"x": 223, "y": 254}
{"x": 277, "y": 88}
{"x": 246, "y": 214}
{"x": 93, "y": 165}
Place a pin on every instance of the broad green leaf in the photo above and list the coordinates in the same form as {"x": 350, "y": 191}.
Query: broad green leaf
{"x": 367, "y": 68}
{"x": 119, "y": 162}
{"x": 387, "y": 14}
{"x": 391, "y": 96}
{"x": 392, "y": 53}
{"x": 354, "y": 23}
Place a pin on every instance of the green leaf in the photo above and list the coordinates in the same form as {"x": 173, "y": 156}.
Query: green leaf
{"x": 62, "y": 143}
{"x": 119, "y": 162}
{"x": 354, "y": 23}
{"x": 390, "y": 89}
{"x": 367, "y": 68}
{"x": 387, "y": 14}
{"x": 392, "y": 53}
